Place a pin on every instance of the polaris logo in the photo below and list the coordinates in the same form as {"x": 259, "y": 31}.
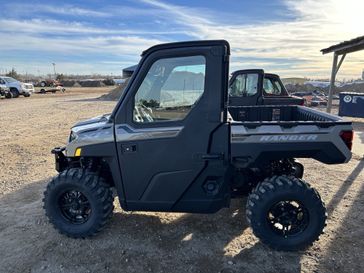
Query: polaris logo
{"x": 288, "y": 138}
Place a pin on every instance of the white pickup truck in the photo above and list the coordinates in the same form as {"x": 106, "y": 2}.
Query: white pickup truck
{"x": 16, "y": 87}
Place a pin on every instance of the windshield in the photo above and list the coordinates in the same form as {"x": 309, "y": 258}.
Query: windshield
{"x": 10, "y": 79}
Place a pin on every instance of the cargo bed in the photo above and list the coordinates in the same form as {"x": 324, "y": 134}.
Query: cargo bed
{"x": 263, "y": 133}
{"x": 289, "y": 115}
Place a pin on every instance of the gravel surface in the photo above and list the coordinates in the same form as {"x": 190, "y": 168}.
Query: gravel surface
{"x": 151, "y": 242}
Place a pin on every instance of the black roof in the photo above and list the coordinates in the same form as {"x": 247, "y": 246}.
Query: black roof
{"x": 128, "y": 71}
{"x": 346, "y": 47}
{"x": 188, "y": 44}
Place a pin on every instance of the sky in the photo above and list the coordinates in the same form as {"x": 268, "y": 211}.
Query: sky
{"x": 102, "y": 37}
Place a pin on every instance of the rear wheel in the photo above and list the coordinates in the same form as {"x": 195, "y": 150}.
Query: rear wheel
{"x": 78, "y": 203}
{"x": 285, "y": 213}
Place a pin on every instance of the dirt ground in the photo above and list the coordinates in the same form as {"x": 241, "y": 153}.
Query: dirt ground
{"x": 151, "y": 242}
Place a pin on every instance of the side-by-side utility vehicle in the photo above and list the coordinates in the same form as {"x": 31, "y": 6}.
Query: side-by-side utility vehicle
{"x": 173, "y": 144}
{"x": 255, "y": 87}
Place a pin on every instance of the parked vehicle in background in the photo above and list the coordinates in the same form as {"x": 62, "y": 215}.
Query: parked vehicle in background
{"x": 254, "y": 87}
{"x": 49, "y": 83}
{"x": 44, "y": 90}
{"x": 318, "y": 93}
{"x": 5, "y": 92}
{"x": 312, "y": 98}
{"x": 16, "y": 87}
{"x": 318, "y": 101}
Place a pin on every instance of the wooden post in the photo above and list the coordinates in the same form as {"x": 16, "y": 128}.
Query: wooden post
{"x": 332, "y": 83}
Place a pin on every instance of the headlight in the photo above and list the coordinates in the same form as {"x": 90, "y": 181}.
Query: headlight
{"x": 72, "y": 137}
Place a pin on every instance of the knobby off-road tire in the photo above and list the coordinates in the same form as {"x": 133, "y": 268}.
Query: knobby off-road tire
{"x": 271, "y": 199}
{"x": 78, "y": 203}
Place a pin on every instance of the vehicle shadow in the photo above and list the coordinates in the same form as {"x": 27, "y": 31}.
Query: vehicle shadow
{"x": 134, "y": 241}
{"x": 345, "y": 187}
{"x": 345, "y": 251}
{"x": 218, "y": 242}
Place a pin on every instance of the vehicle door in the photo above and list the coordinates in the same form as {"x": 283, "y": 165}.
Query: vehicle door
{"x": 273, "y": 90}
{"x": 245, "y": 87}
{"x": 165, "y": 120}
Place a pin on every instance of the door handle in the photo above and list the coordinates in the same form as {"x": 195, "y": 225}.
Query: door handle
{"x": 212, "y": 156}
{"x": 128, "y": 148}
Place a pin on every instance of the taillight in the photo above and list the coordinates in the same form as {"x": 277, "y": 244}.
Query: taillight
{"x": 347, "y": 137}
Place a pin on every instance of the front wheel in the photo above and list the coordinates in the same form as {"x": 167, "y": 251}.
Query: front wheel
{"x": 78, "y": 203}
{"x": 14, "y": 92}
{"x": 285, "y": 213}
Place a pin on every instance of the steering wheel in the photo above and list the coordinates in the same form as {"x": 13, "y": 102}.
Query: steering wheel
{"x": 143, "y": 114}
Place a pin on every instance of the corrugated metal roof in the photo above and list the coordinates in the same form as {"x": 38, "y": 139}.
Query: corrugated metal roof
{"x": 346, "y": 46}
{"x": 128, "y": 71}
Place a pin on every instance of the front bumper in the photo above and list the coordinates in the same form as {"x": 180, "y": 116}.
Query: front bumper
{"x": 60, "y": 159}
{"x": 27, "y": 91}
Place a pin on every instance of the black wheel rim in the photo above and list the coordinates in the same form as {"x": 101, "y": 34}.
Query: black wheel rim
{"x": 74, "y": 206}
{"x": 288, "y": 218}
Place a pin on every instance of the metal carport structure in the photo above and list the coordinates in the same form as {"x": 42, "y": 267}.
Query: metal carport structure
{"x": 340, "y": 49}
{"x": 128, "y": 71}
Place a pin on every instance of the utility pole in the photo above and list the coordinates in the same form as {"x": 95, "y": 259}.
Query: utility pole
{"x": 54, "y": 70}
